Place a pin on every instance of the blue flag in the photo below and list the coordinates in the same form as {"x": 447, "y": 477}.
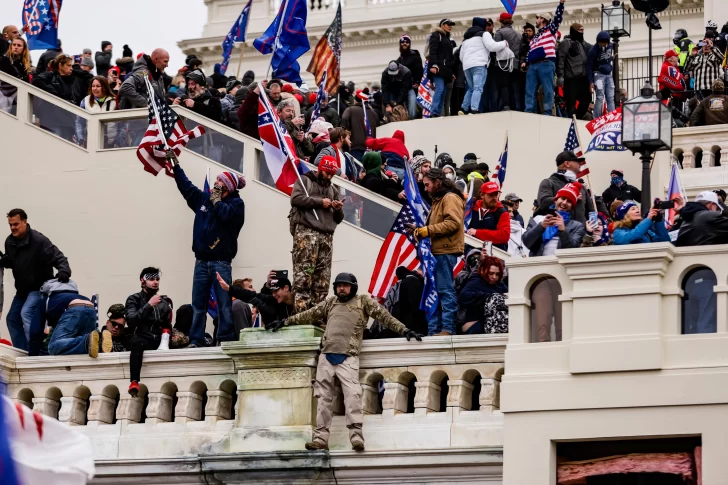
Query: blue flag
{"x": 420, "y": 210}
{"x": 469, "y": 205}
{"x": 212, "y": 301}
{"x": 320, "y": 96}
{"x": 510, "y": 5}
{"x": 41, "y": 18}
{"x": 287, "y": 39}
{"x": 236, "y": 34}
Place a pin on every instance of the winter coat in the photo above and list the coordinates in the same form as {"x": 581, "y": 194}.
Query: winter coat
{"x": 302, "y": 206}
{"x": 713, "y": 110}
{"x": 512, "y": 38}
{"x": 133, "y": 92}
{"x": 471, "y": 299}
{"x": 208, "y": 106}
{"x": 516, "y": 247}
{"x": 103, "y": 62}
{"x": 701, "y": 226}
{"x": 445, "y": 223}
{"x": 441, "y": 54}
{"x": 14, "y": 68}
{"x": 547, "y": 191}
{"x": 671, "y": 80}
{"x": 46, "y": 58}
{"x": 393, "y": 145}
{"x": 270, "y": 310}
{"x": 108, "y": 105}
{"x": 328, "y": 113}
{"x": 412, "y": 60}
{"x": 304, "y": 149}
{"x": 346, "y": 322}
{"x": 395, "y": 89}
{"x": 32, "y": 260}
{"x": 599, "y": 60}
{"x": 462, "y": 277}
{"x": 248, "y": 116}
{"x": 55, "y": 84}
{"x": 493, "y": 226}
{"x": 477, "y": 47}
{"x": 217, "y": 227}
{"x": 572, "y": 58}
{"x": 383, "y": 186}
{"x": 571, "y": 237}
{"x": 353, "y": 121}
{"x": 143, "y": 318}
{"x": 623, "y": 193}
{"x": 646, "y": 231}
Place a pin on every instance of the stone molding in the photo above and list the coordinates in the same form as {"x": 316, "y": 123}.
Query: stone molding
{"x": 275, "y": 378}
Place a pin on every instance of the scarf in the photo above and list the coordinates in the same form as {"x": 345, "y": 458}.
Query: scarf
{"x": 552, "y": 231}
{"x": 617, "y": 181}
{"x": 568, "y": 174}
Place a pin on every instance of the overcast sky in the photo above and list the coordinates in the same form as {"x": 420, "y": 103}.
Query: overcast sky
{"x": 142, "y": 24}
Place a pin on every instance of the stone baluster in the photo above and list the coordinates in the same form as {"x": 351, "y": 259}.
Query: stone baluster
{"x": 129, "y": 409}
{"x": 219, "y": 406}
{"x": 45, "y": 406}
{"x": 101, "y": 409}
{"x": 688, "y": 159}
{"x": 27, "y": 404}
{"x": 73, "y": 411}
{"x": 489, "y": 395}
{"x": 189, "y": 407}
{"x": 159, "y": 409}
{"x": 460, "y": 395}
{"x": 395, "y": 399}
{"x": 708, "y": 157}
{"x": 370, "y": 399}
{"x": 427, "y": 397}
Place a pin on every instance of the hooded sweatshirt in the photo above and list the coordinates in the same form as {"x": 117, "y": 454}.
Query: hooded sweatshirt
{"x": 477, "y": 45}
{"x": 393, "y": 149}
{"x": 701, "y": 226}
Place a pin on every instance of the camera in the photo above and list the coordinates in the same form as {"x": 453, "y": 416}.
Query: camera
{"x": 664, "y": 204}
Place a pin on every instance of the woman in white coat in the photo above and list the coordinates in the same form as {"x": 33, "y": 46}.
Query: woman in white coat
{"x": 475, "y": 52}
{"x": 100, "y": 99}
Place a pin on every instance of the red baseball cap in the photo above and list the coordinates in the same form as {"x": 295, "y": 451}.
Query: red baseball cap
{"x": 328, "y": 164}
{"x": 670, "y": 53}
{"x": 489, "y": 188}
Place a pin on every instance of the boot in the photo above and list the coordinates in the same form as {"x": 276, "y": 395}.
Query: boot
{"x": 93, "y": 343}
{"x": 134, "y": 388}
{"x": 106, "y": 341}
{"x": 164, "y": 344}
{"x": 357, "y": 445}
{"x": 316, "y": 445}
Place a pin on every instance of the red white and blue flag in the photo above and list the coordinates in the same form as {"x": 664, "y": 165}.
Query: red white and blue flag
{"x": 40, "y": 17}
{"x": 572, "y": 140}
{"x": 674, "y": 189}
{"x": 469, "y": 203}
{"x": 510, "y": 5}
{"x": 212, "y": 300}
{"x": 280, "y": 152}
{"x": 606, "y": 133}
{"x": 425, "y": 91}
{"x": 320, "y": 95}
{"x": 500, "y": 169}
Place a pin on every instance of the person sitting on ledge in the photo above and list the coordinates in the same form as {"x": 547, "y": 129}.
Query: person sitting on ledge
{"x": 116, "y": 327}
{"x": 346, "y": 316}
{"x": 630, "y": 228}
{"x": 274, "y": 302}
{"x": 482, "y": 299}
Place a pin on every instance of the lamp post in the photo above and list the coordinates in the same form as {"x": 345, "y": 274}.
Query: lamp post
{"x": 646, "y": 129}
{"x": 617, "y": 21}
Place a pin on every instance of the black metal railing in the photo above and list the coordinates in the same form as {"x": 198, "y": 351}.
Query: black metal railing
{"x": 634, "y": 71}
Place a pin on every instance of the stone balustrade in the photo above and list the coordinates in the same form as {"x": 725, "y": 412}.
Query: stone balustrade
{"x": 703, "y": 152}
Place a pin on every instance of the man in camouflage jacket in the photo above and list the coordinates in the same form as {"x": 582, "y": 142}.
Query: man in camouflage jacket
{"x": 346, "y": 316}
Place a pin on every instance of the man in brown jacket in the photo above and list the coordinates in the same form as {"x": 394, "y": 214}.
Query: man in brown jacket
{"x": 713, "y": 110}
{"x": 315, "y": 212}
{"x": 346, "y": 316}
{"x": 445, "y": 228}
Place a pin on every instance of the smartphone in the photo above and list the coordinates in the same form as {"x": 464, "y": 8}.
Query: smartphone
{"x": 281, "y": 273}
{"x": 666, "y": 204}
{"x": 593, "y": 218}
{"x": 551, "y": 212}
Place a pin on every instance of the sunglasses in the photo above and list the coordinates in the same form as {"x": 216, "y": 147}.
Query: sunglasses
{"x": 404, "y": 42}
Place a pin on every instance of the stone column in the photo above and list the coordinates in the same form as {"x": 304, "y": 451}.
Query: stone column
{"x": 489, "y": 395}
{"x": 130, "y": 409}
{"x": 688, "y": 160}
{"x": 219, "y": 406}
{"x": 189, "y": 407}
{"x": 46, "y": 407}
{"x": 370, "y": 399}
{"x": 708, "y": 157}
{"x": 460, "y": 395}
{"x": 27, "y": 404}
{"x": 159, "y": 409}
{"x": 395, "y": 399}
{"x": 101, "y": 409}
{"x": 427, "y": 397}
{"x": 73, "y": 411}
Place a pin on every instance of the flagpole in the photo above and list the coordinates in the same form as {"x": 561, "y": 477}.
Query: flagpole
{"x": 588, "y": 178}
{"x": 160, "y": 128}
{"x": 275, "y": 44}
{"x": 240, "y": 61}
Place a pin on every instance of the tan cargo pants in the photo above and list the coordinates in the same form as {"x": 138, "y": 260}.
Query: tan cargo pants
{"x": 348, "y": 374}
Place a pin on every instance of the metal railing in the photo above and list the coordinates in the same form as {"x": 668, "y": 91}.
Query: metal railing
{"x": 634, "y": 71}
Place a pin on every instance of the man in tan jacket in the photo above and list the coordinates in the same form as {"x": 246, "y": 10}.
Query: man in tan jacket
{"x": 445, "y": 228}
{"x": 346, "y": 316}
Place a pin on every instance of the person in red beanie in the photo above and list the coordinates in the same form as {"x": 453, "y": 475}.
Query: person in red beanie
{"x": 316, "y": 211}
{"x": 557, "y": 229}
{"x": 671, "y": 83}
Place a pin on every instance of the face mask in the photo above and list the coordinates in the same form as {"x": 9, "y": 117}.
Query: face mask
{"x": 181, "y": 85}
{"x": 617, "y": 180}
{"x": 450, "y": 176}
{"x": 570, "y": 176}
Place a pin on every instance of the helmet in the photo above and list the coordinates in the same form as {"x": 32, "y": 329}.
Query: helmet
{"x": 350, "y": 279}
{"x": 680, "y": 34}
{"x": 442, "y": 159}
{"x": 711, "y": 25}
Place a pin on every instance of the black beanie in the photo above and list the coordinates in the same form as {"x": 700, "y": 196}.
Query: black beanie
{"x": 127, "y": 52}
{"x": 105, "y": 44}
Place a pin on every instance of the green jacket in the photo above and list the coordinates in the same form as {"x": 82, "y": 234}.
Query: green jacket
{"x": 345, "y": 328}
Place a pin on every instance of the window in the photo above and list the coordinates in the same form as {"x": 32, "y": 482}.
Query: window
{"x": 545, "y": 310}
{"x": 699, "y": 303}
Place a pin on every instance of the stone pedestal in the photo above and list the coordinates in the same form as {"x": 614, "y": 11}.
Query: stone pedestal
{"x": 395, "y": 399}
{"x": 219, "y": 406}
{"x": 189, "y": 407}
{"x": 129, "y": 409}
{"x": 159, "y": 409}
{"x": 46, "y": 407}
{"x": 489, "y": 395}
{"x": 370, "y": 399}
{"x": 101, "y": 409}
{"x": 427, "y": 397}
{"x": 73, "y": 411}
{"x": 460, "y": 395}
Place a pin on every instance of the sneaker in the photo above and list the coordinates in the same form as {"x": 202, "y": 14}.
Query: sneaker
{"x": 357, "y": 445}
{"x": 106, "y": 341}
{"x": 193, "y": 346}
{"x": 164, "y": 344}
{"x": 134, "y": 388}
{"x": 443, "y": 334}
{"x": 93, "y": 343}
{"x": 317, "y": 445}
{"x": 461, "y": 113}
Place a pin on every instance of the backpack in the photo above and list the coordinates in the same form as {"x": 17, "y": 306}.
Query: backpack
{"x": 495, "y": 314}
{"x": 506, "y": 59}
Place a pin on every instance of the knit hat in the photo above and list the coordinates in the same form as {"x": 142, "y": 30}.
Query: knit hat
{"x": 617, "y": 171}
{"x": 299, "y": 98}
{"x": 87, "y": 50}
{"x": 479, "y": 22}
{"x": 197, "y": 76}
{"x": 232, "y": 181}
{"x": 105, "y": 44}
{"x": 570, "y": 191}
{"x": 372, "y": 162}
{"x": 670, "y": 53}
{"x": 328, "y": 164}
{"x": 248, "y": 77}
{"x": 505, "y": 17}
{"x": 320, "y": 126}
{"x": 576, "y": 26}
{"x": 529, "y": 25}
{"x": 117, "y": 310}
{"x": 718, "y": 86}
{"x": 417, "y": 162}
{"x": 622, "y": 209}
{"x": 311, "y": 98}
{"x": 86, "y": 61}
{"x": 116, "y": 70}
{"x": 603, "y": 36}
{"x": 361, "y": 95}
{"x": 470, "y": 156}
{"x": 405, "y": 37}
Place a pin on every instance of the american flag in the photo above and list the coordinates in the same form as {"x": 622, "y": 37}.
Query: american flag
{"x": 327, "y": 55}
{"x": 500, "y": 169}
{"x": 425, "y": 91}
{"x": 319, "y": 97}
{"x": 572, "y": 140}
{"x": 151, "y": 151}
{"x": 399, "y": 249}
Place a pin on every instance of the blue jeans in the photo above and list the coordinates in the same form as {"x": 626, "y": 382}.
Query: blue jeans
{"x": 398, "y": 171}
{"x": 475, "y": 77}
{"x": 204, "y": 278}
{"x": 541, "y": 73}
{"x": 412, "y": 104}
{"x": 71, "y": 334}
{"x": 603, "y": 86}
{"x": 20, "y": 316}
{"x": 447, "y": 309}
{"x": 438, "y": 98}
{"x": 357, "y": 153}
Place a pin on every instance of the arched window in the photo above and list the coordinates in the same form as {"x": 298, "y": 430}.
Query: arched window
{"x": 699, "y": 303}
{"x": 545, "y": 310}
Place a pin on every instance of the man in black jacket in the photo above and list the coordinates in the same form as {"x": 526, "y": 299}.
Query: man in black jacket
{"x": 441, "y": 65}
{"x": 571, "y": 71}
{"x": 567, "y": 165}
{"x": 103, "y": 58}
{"x": 148, "y": 316}
{"x": 274, "y": 302}
{"x": 619, "y": 189}
{"x": 704, "y": 222}
{"x": 397, "y": 88}
{"x": 199, "y": 98}
{"x": 412, "y": 60}
{"x": 32, "y": 257}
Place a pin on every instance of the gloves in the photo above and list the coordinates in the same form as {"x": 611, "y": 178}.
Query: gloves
{"x": 275, "y": 326}
{"x": 559, "y": 81}
{"x": 215, "y": 195}
{"x": 63, "y": 277}
{"x": 421, "y": 232}
{"x": 409, "y": 334}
